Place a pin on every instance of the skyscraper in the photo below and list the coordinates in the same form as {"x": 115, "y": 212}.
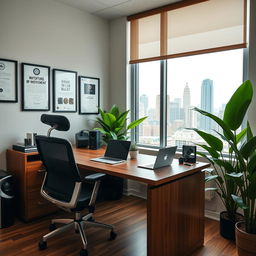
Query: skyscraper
{"x": 206, "y": 103}
{"x": 174, "y": 111}
{"x": 144, "y": 104}
{"x": 187, "y": 106}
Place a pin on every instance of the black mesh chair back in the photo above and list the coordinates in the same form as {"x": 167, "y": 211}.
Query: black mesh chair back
{"x": 62, "y": 174}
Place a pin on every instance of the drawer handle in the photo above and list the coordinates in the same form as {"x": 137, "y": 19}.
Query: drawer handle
{"x": 41, "y": 170}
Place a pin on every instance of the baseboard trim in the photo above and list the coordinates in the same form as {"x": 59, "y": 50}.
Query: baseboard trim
{"x": 212, "y": 215}
{"x": 134, "y": 192}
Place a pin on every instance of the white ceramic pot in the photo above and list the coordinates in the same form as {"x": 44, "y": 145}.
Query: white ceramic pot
{"x": 134, "y": 154}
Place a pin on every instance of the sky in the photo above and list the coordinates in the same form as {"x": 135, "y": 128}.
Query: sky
{"x": 224, "y": 68}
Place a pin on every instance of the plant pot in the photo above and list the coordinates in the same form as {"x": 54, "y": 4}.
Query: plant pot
{"x": 245, "y": 242}
{"x": 134, "y": 154}
{"x": 227, "y": 226}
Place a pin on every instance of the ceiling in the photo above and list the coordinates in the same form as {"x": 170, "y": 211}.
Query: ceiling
{"x": 112, "y": 9}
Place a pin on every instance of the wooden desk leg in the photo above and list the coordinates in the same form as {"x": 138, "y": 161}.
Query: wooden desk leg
{"x": 175, "y": 217}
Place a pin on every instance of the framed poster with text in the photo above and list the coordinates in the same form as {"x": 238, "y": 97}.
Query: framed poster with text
{"x": 35, "y": 87}
{"x": 8, "y": 80}
{"x": 89, "y": 95}
{"x": 64, "y": 90}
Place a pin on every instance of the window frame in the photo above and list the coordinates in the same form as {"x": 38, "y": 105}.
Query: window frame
{"x": 134, "y": 101}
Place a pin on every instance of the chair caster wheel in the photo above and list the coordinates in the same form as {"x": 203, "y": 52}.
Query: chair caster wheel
{"x": 42, "y": 245}
{"x": 113, "y": 235}
{"x": 52, "y": 227}
{"x": 83, "y": 252}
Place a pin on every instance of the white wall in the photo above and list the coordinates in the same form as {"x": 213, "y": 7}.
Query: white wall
{"x": 118, "y": 63}
{"x": 252, "y": 63}
{"x": 50, "y": 33}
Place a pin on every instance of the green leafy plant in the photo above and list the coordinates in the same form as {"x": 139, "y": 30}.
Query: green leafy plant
{"x": 233, "y": 173}
{"x": 133, "y": 147}
{"x": 113, "y": 124}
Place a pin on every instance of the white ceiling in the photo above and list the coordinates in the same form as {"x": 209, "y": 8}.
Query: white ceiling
{"x": 112, "y": 9}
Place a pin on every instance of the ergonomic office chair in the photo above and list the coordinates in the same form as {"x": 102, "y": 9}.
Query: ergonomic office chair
{"x": 63, "y": 185}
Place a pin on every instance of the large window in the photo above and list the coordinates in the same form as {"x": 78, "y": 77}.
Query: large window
{"x": 177, "y": 86}
{"x": 181, "y": 60}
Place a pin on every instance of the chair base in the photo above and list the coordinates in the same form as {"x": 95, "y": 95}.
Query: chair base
{"x": 78, "y": 224}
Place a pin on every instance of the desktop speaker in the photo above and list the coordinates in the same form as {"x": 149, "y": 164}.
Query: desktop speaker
{"x": 6, "y": 199}
{"x": 189, "y": 153}
{"x": 94, "y": 139}
{"x": 82, "y": 139}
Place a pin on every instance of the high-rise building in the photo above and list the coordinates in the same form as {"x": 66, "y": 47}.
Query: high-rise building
{"x": 174, "y": 111}
{"x": 206, "y": 103}
{"x": 187, "y": 106}
{"x": 144, "y": 105}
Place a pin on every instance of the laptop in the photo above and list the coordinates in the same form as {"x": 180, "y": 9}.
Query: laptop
{"x": 116, "y": 152}
{"x": 164, "y": 158}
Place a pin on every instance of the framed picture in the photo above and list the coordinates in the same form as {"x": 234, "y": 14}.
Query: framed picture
{"x": 35, "y": 81}
{"x": 8, "y": 80}
{"x": 89, "y": 95}
{"x": 64, "y": 90}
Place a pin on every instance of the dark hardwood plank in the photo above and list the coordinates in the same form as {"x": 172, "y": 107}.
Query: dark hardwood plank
{"x": 129, "y": 217}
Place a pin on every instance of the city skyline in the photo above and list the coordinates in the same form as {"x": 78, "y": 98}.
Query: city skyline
{"x": 181, "y": 108}
{"x": 205, "y": 81}
{"x": 225, "y": 68}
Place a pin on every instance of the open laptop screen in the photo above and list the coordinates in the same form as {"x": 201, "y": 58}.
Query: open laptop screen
{"x": 118, "y": 149}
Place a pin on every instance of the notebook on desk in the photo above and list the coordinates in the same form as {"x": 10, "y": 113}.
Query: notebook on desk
{"x": 116, "y": 152}
{"x": 164, "y": 158}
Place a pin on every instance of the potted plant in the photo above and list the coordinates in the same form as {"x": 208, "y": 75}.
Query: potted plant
{"x": 246, "y": 196}
{"x": 245, "y": 176}
{"x": 226, "y": 168}
{"x": 113, "y": 124}
{"x": 114, "y": 127}
{"x": 133, "y": 151}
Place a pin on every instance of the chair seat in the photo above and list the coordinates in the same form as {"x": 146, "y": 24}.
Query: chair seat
{"x": 84, "y": 198}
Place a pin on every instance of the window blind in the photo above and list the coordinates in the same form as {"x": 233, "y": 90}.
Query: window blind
{"x": 187, "y": 28}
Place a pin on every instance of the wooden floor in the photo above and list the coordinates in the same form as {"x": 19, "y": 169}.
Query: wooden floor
{"x": 129, "y": 217}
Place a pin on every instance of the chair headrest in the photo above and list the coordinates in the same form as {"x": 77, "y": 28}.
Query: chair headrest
{"x": 61, "y": 123}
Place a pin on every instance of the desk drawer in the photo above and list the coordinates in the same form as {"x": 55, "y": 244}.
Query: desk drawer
{"x": 37, "y": 206}
{"x": 35, "y": 178}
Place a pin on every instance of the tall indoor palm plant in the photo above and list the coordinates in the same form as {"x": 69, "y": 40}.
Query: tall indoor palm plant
{"x": 227, "y": 167}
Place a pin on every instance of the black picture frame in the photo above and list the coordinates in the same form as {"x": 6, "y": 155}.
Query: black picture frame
{"x": 91, "y": 97}
{"x": 58, "y": 100}
{"x": 35, "y": 78}
{"x": 5, "y": 76}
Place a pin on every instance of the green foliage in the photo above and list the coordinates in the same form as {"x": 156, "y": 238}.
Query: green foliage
{"x": 234, "y": 175}
{"x": 133, "y": 147}
{"x": 113, "y": 124}
{"x": 237, "y": 106}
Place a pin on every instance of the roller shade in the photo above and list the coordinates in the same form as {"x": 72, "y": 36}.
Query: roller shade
{"x": 187, "y": 28}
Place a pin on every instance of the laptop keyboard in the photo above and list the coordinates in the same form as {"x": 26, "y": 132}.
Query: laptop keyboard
{"x": 110, "y": 158}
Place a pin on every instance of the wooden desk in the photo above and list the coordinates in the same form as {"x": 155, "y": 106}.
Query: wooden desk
{"x": 175, "y": 203}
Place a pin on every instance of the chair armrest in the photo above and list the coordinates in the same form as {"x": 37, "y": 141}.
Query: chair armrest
{"x": 94, "y": 177}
